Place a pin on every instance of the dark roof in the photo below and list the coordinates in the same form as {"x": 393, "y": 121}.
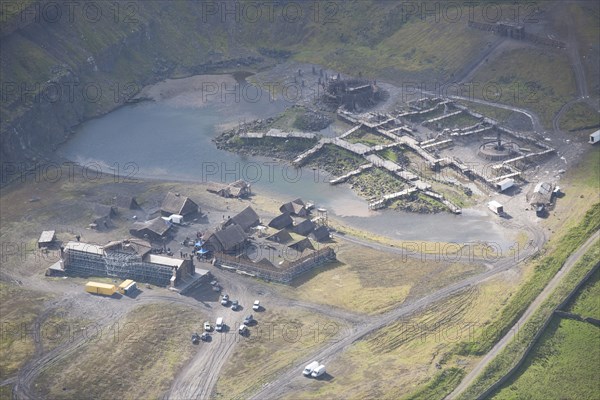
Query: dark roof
{"x": 302, "y": 245}
{"x": 177, "y": 204}
{"x": 282, "y": 236}
{"x": 126, "y": 202}
{"x": 102, "y": 210}
{"x": 304, "y": 227}
{"x": 157, "y": 226}
{"x": 228, "y": 238}
{"x": 295, "y": 207}
{"x": 246, "y": 219}
{"x": 320, "y": 234}
{"x": 281, "y": 221}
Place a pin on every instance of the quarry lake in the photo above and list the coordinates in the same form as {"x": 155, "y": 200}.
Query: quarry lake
{"x": 171, "y": 140}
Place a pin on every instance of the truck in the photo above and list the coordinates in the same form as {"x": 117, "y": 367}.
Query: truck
{"x": 310, "y": 368}
{"x": 219, "y": 324}
{"x": 496, "y": 207}
{"x": 104, "y": 289}
{"x": 320, "y": 370}
{"x": 127, "y": 287}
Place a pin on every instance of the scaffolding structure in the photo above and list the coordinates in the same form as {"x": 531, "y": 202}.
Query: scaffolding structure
{"x": 117, "y": 264}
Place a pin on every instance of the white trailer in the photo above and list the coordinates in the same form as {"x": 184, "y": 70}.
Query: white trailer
{"x": 505, "y": 184}
{"x": 320, "y": 370}
{"x": 496, "y": 207}
{"x": 595, "y": 137}
{"x": 310, "y": 368}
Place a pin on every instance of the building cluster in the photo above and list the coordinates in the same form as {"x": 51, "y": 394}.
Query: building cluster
{"x": 242, "y": 238}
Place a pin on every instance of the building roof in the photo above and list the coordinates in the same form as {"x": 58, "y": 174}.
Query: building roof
{"x": 102, "y": 211}
{"x": 164, "y": 260}
{"x": 542, "y": 193}
{"x": 246, "y": 219}
{"x": 281, "y": 236}
{"x": 47, "y": 237}
{"x": 230, "y": 237}
{"x": 295, "y": 207}
{"x": 85, "y": 247}
{"x": 303, "y": 226}
{"x": 218, "y": 187}
{"x": 174, "y": 203}
{"x": 320, "y": 234}
{"x": 281, "y": 221}
{"x": 137, "y": 246}
{"x": 157, "y": 226}
{"x": 126, "y": 202}
{"x": 302, "y": 245}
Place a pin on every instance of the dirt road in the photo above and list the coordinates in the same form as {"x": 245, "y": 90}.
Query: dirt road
{"x": 568, "y": 265}
{"x": 276, "y": 388}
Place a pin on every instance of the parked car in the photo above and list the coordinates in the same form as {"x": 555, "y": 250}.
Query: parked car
{"x": 243, "y": 329}
{"x": 204, "y": 337}
{"x": 195, "y": 338}
{"x": 225, "y": 300}
{"x": 256, "y": 305}
{"x": 248, "y": 320}
{"x": 207, "y": 326}
{"x": 235, "y": 305}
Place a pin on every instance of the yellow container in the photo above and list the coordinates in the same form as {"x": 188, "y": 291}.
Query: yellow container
{"x": 126, "y": 286}
{"x": 105, "y": 289}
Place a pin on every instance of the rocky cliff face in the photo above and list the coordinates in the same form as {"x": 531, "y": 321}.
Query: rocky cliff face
{"x": 61, "y": 66}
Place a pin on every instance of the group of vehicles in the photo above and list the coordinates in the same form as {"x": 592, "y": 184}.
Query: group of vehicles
{"x": 220, "y": 324}
{"x": 314, "y": 370}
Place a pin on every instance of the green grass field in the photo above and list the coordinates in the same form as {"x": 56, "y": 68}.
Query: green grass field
{"x": 563, "y": 365}
{"x": 580, "y": 119}
{"x": 587, "y": 303}
{"x": 526, "y": 78}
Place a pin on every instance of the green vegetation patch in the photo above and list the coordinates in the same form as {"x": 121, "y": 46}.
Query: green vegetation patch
{"x": 526, "y": 78}
{"x": 440, "y": 386}
{"x": 545, "y": 269}
{"x": 19, "y": 309}
{"x": 376, "y": 182}
{"x": 335, "y": 160}
{"x": 580, "y": 118}
{"x": 508, "y": 357}
{"x": 367, "y": 138}
{"x": 562, "y": 365}
{"x": 587, "y": 302}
